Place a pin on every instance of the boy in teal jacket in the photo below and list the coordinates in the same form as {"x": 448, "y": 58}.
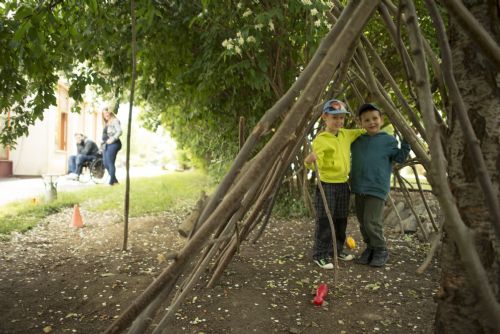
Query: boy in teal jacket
{"x": 332, "y": 152}
{"x": 372, "y": 157}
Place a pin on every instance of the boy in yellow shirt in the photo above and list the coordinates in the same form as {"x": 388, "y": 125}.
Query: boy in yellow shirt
{"x": 332, "y": 152}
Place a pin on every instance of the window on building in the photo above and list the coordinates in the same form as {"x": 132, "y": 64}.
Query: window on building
{"x": 62, "y": 133}
{"x": 4, "y": 151}
{"x": 62, "y": 118}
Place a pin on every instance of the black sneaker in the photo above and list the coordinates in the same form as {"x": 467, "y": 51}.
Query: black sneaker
{"x": 365, "y": 257}
{"x": 345, "y": 257}
{"x": 324, "y": 263}
{"x": 380, "y": 258}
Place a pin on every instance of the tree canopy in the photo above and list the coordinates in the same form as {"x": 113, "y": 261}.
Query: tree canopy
{"x": 201, "y": 65}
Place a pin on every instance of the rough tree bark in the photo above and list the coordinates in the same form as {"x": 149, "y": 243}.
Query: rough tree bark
{"x": 459, "y": 310}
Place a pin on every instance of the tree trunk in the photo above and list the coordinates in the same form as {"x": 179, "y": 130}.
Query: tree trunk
{"x": 459, "y": 310}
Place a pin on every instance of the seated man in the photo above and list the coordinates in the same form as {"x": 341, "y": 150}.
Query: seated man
{"x": 87, "y": 150}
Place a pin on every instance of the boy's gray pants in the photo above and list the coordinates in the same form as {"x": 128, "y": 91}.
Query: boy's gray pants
{"x": 369, "y": 211}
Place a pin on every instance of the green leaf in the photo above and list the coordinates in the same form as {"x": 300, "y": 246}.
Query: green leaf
{"x": 93, "y": 6}
{"x": 21, "y": 32}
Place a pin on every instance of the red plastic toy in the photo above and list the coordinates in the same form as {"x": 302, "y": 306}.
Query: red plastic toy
{"x": 321, "y": 293}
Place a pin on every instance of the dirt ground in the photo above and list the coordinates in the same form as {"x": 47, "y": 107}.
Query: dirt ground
{"x": 57, "y": 279}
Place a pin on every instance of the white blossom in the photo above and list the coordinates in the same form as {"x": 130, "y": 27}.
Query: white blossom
{"x": 271, "y": 25}
{"x": 251, "y": 39}
{"x": 228, "y": 44}
{"x": 247, "y": 12}
{"x": 237, "y": 49}
{"x": 239, "y": 5}
{"x": 241, "y": 40}
{"x": 317, "y": 23}
{"x": 314, "y": 12}
{"x": 306, "y": 2}
{"x": 259, "y": 26}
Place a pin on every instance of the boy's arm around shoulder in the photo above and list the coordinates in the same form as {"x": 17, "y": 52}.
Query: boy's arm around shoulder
{"x": 354, "y": 133}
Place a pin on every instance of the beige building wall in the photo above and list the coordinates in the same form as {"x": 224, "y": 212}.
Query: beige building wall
{"x": 51, "y": 141}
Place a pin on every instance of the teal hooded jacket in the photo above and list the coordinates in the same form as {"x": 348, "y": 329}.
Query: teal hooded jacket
{"x": 372, "y": 158}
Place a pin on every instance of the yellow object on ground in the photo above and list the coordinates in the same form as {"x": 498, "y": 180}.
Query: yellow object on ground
{"x": 350, "y": 243}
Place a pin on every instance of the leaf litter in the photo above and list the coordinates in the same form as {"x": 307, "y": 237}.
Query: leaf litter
{"x": 59, "y": 279}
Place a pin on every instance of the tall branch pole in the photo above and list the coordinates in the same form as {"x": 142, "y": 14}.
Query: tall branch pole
{"x": 129, "y": 128}
{"x": 330, "y": 221}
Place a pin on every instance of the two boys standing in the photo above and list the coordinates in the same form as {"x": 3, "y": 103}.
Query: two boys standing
{"x": 373, "y": 152}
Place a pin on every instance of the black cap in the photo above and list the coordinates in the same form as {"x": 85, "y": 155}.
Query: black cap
{"x": 367, "y": 107}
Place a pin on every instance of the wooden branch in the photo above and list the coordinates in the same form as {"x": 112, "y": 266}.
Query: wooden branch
{"x": 475, "y": 30}
{"x": 407, "y": 198}
{"x": 302, "y": 138}
{"x": 172, "y": 271}
{"x": 397, "y": 215}
{"x": 241, "y": 132}
{"x": 392, "y": 83}
{"x": 223, "y": 261}
{"x": 434, "y": 59}
{"x": 188, "y": 226}
{"x": 478, "y": 276}
{"x": 355, "y": 88}
{"x": 394, "y": 32}
{"x": 200, "y": 267}
{"x": 435, "y": 243}
{"x": 271, "y": 187}
{"x": 231, "y": 249}
{"x": 420, "y": 190}
{"x": 144, "y": 320}
{"x": 394, "y": 115}
{"x": 438, "y": 75}
{"x": 189, "y": 283}
{"x": 330, "y": 221}
{"x": 126, "y": 206}
{"x": 267, "y": 215}
{"x": 436, "y": 68}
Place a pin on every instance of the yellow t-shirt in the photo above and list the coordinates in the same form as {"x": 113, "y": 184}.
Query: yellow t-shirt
{"x": 334, "y": 154}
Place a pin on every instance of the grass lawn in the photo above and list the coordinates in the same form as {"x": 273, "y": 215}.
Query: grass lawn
{"x": 148, "y": 195}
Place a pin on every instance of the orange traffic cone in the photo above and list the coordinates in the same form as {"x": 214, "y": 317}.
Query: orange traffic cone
{"x": 77, "y": 217}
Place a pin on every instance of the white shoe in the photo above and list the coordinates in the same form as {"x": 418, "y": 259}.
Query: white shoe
{"x": 72, "y": 176}
{"x": 345, "y": 257}
{"x": 324, "y": 263}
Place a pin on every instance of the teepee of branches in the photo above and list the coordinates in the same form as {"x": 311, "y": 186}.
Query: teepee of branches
{"x": 244, "y": 199}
